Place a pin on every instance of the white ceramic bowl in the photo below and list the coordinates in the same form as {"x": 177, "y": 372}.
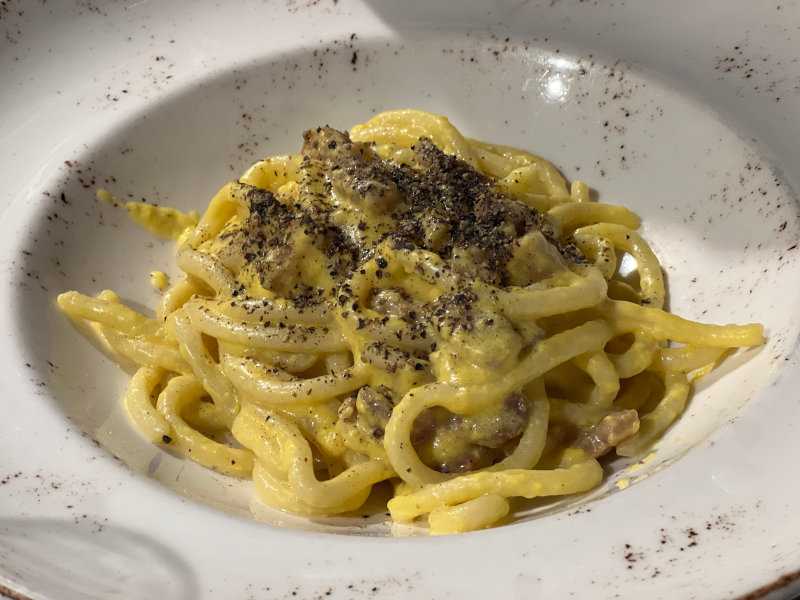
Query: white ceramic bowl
{"x": 688, "y": 114}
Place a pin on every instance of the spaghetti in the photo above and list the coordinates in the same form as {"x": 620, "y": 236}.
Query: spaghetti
{"x": 405, "y": 304}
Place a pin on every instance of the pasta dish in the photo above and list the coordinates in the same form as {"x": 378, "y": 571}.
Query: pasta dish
{"x": 402, "y": 304}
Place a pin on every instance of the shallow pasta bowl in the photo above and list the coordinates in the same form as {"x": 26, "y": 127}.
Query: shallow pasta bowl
{"x": 169, "y": 102}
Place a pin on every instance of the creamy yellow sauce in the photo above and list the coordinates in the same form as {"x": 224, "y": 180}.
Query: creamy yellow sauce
{"x": 162, "y": 221}
{"x": 625, "y": 482}
{"x": 159, "y": 280}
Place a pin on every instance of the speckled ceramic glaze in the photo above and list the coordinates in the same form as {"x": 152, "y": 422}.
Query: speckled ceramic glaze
{"x": 687, "y": 112}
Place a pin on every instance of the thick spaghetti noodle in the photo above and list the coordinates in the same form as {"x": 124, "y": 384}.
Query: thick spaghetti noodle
{"x": 404, "y": 304}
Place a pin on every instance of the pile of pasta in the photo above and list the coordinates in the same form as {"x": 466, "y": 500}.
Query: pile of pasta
{"x": 243, "y": 380}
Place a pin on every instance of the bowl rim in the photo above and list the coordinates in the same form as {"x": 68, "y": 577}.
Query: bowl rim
{"x": 26, "y": 181}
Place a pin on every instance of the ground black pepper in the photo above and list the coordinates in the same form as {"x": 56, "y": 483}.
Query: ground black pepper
{"x": 437, "y": 203}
